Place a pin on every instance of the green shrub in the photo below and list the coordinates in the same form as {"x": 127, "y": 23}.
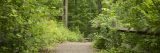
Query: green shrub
{"x": 128, "y": 43}
{"x": 26, "y": 26}
{"x": 134, "y": 16}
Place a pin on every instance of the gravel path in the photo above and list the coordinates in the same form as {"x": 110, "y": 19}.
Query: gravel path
{"x": 74, "y": 47}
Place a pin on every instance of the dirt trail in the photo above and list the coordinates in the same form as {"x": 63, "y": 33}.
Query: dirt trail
{"x": 74, "y": 47}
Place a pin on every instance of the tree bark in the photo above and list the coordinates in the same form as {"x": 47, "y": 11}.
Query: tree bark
{"x": 65, "y": 13}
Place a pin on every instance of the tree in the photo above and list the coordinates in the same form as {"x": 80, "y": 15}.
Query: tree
{"x": 80, "y": 14}
{"x": 141, "y": 15}
{"x": 65, "y": 13}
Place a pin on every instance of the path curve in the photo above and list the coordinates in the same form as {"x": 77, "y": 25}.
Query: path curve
{"x": 74, "y": 47}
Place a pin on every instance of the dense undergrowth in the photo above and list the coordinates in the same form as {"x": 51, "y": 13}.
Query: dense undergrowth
{"x": 125, "y": 42}
{"x": 138, "y": 21}
{"x": 26, "y": 26}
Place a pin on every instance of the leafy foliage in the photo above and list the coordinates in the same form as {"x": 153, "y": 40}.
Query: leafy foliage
{"x": 80, "y": 13}
{"x": 137, "y": 15}
{"x": 28, "y": 25}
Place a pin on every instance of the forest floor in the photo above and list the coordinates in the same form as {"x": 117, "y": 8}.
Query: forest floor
{"x": 74, "y": 47}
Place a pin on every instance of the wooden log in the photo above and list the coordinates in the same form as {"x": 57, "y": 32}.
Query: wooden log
{"x": 139, "y": 32}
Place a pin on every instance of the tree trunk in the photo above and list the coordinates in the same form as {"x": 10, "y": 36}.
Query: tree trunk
{"x": 65, "y": 13}
{"x": 99, "y": 4}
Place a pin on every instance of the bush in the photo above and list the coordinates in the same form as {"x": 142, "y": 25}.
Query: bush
{"x": 28, "y": 25}
{"x": 134, "y": 15}
{"x": 133, "y": 43}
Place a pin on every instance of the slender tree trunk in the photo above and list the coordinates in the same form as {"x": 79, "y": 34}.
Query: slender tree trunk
{"x": 65, "y": 13}
{"x": 99, "y": 4}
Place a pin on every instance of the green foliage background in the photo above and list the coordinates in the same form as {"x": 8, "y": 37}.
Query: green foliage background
{"x": 26, "y": 26}
{"x": 80, "y": 14}
{"x": 140, "y": 15}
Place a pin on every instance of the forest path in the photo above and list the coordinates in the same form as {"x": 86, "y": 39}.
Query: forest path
{"x": 74, "y": 47}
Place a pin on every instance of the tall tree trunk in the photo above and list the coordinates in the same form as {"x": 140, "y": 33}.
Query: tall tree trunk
{"x": 99, "y": 4}
{"x": 65, "y": 13}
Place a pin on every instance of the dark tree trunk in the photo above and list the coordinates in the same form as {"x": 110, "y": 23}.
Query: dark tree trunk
{"x": 99, "y": 4}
